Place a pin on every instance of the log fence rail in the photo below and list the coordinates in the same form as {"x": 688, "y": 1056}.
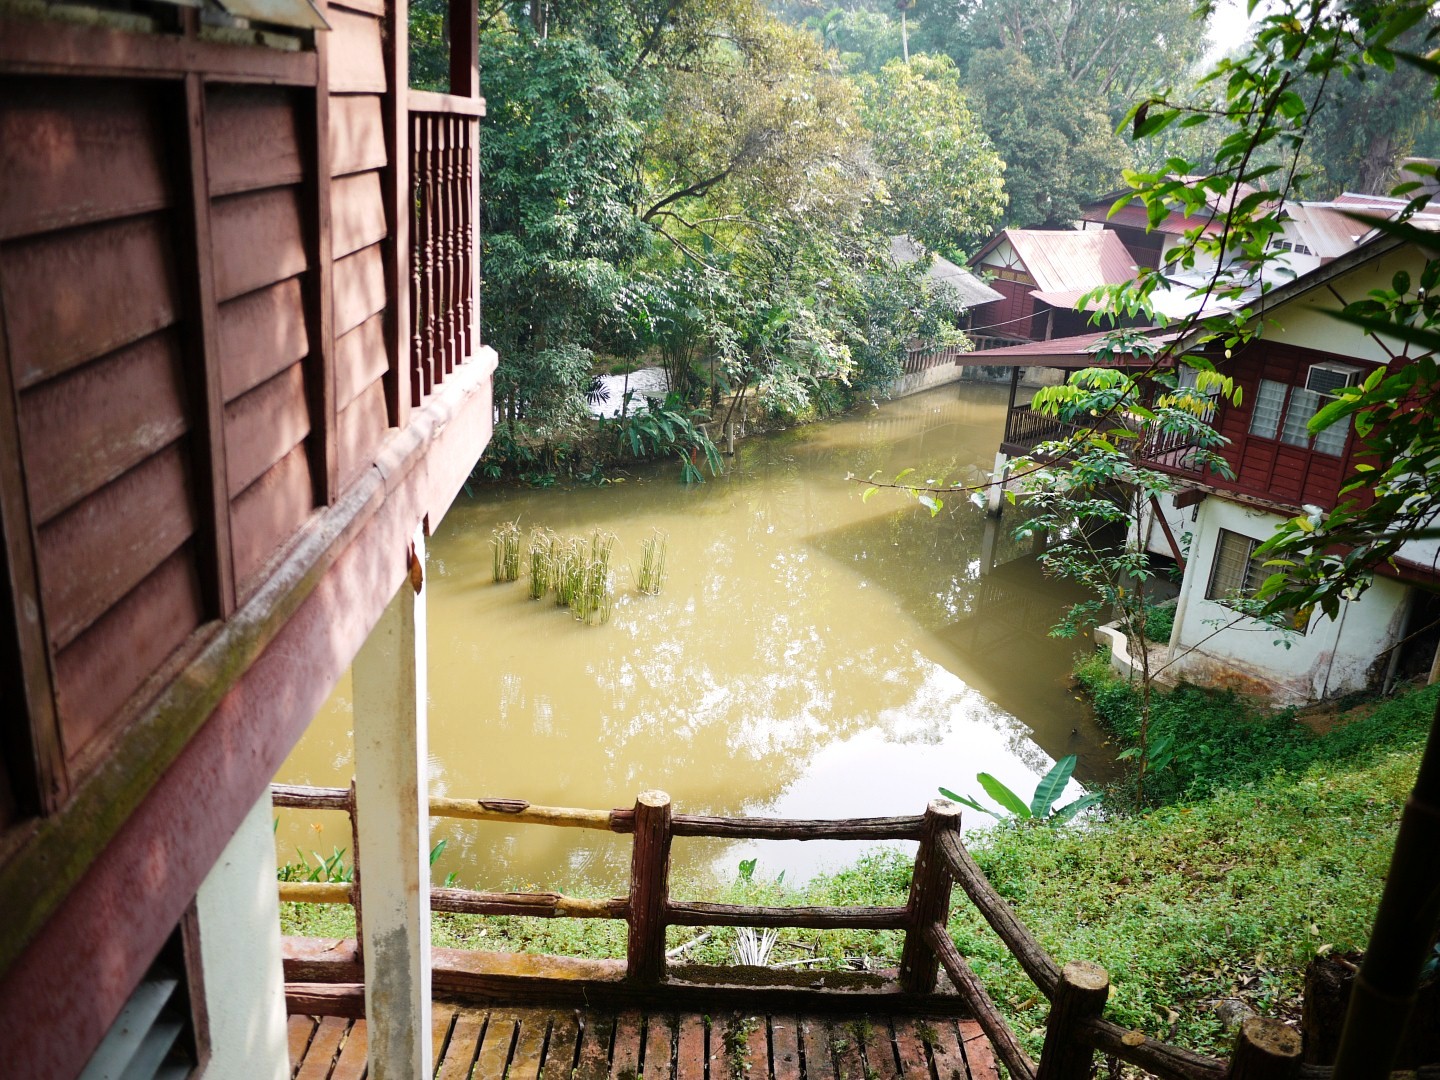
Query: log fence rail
{"x": 1076, "y": 1029}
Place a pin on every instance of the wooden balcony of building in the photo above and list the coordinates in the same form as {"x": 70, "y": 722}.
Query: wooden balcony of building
{"x": 505, "y": 1015}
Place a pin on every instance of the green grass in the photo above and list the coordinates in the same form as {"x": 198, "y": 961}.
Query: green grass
{"x": 1224, "y": 896}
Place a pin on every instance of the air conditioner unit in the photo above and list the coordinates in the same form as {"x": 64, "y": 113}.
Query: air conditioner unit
{"x": 1327, "y": 378}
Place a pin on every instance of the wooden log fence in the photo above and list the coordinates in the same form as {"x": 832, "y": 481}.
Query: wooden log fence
{"x": 1075, "y": 1031}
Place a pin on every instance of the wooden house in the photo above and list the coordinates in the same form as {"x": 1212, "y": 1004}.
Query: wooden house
{"x": 1285, "y": 376}
{"x": 240, "y": 378}
{"x": 1042, "y": 274}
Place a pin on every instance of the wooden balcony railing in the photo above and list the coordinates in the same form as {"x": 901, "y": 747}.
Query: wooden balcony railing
{"x": 445, "y": 237}
{"x": 1025, "y": 428}
{"x": 1077, "y": 991}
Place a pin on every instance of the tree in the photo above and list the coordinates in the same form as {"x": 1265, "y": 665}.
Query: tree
{"x": 560, "y": 161}
{"x": 1060, "y": 149}
{"x": 944, "y": 179}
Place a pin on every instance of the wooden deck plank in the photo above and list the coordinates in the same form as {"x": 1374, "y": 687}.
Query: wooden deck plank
{"x": 785, "y": 1048}
{"x": 495, "y": 1046}
{"x": 757, "y": 1047}
{"x": 874, "y": 1033}
{"x": 945, "y": 1049}
{"x": 690, "y": 1048}
{"x": 323, "y": 1048}
{"x": 354, "y": 1054}
{"x": 849, "y": 1059}
{"x": 442, "y": 1016}
{"x": 625, "y": 1057}
{"x": 463, "y": 1047}
{"x": 815, "y": 1040}
{"x": 299, "y": 1029}
{"x": 594, "y": 1063}
{"x": 979, "y": 1054}
{"x": 910, "y": 1049}
{"x": 529, "y": 1053}
{"x": 659, "y": 1034}
{"x": 560, "y": 1051}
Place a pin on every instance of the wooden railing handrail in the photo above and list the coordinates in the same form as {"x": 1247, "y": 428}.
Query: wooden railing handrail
{"x": 1042, "y": 969}
{"x": 517, "y": 811}
{"x": 686, "y": 913}
{"x": 978, "y": 1000}
{"x": 1160, "y": 1058}
{"x": 878, "y": 828}
{"x": 426, "y": 101}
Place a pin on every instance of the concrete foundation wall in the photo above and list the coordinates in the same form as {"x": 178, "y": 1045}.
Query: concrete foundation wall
{"x": 239, "y": 915}
{"x": 1332, "y": 657}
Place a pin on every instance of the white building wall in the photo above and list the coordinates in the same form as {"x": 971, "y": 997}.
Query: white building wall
{"x": 238, "y": 911}
{"x": 1211, "y": 646}
{"x": 1149, "y": 531}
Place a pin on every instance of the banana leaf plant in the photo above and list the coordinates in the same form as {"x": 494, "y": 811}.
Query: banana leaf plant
{"x": 1042, "y": 803}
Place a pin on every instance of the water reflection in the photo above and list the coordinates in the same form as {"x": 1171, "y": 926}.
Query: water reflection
{"x": 811, "y": 655}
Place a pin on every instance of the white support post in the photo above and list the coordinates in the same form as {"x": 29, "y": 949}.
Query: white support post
{"x": 996, "y": 492}
{"x": 392, "y": 800}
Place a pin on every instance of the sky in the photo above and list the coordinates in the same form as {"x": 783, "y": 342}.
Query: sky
{"x": 1227, "y": 27}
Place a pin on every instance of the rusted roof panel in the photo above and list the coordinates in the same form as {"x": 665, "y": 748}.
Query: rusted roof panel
{"x": 1063, "y": 352}
{"x": 1060, "y": 261}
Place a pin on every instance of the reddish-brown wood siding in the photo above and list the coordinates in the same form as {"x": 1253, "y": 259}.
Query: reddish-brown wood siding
{"x": 89, "y": 284}
{"x": 360, "y": 227}
{"x": 1270, "y": 468}
{"x": 1010, "y": 317}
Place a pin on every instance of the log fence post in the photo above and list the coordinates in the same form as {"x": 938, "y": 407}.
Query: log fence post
{"x": 1265, "y": 1049}
{"x": 1079, "y": 995}
{"x": 929, "y": 900}
{"x": 649, "y": 887}
{"x": 355, "y": 875}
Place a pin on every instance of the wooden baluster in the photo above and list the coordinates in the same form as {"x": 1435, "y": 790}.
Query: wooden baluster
{"x": 431, "y": 198}
{"x": 417, "y": 261}
{"x": 1265, "y": 1049}
{"x": 444, "y": 260}
{"x": 452, "y": 232}
{"x": 649, "y": 887}
{"x": 929, "y": 899}
{"x": 467, "y": 238}
{"x": 355, "y": 876}
{"x": 1080, "y": 994}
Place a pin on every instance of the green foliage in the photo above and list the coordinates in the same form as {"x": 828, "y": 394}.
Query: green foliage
{"x": 660, "y": 429}
{"x": 331, "y": 868}
{"x": 1217, "y": 740}
{"x": 1041, "y": 808}
{"x": 1159, "y": 623}
{"x": 944, "y": 179}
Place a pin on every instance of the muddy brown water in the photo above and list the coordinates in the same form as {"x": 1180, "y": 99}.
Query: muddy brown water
{"x": 813, "y": 654}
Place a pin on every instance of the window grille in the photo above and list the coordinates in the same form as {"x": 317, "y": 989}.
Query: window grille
{"x": 1269, "y": 403}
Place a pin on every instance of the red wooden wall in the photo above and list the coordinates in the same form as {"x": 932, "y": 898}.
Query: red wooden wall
{"x": 1269, "y": 468}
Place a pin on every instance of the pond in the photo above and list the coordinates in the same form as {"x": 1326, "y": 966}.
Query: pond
{"x": 812, "y": 654}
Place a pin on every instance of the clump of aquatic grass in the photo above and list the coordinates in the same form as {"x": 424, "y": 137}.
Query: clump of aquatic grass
{"x": 505, "y": 552}
{"x": 544, "y": 548}
{"x": 652, "y": 563}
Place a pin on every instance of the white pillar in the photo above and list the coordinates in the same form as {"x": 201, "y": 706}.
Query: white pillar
{"x": 996, "y": 491}
{"x": 238, "y": 911}
{"x": 392, "y": 800}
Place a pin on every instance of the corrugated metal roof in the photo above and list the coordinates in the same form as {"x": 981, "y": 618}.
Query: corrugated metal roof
{"x": 971, "y": 290}
{"x": 1326, "y": 231}
{"x": 1133, "y": 215}
{"x": 1060, "y": 261}
{"x": 1063, "y": 352}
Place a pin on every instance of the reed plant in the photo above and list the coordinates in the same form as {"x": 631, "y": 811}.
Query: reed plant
{"x": 543, "y": 548}
{"x": 652, "y": 563}
{"x": 505, "y": 552}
